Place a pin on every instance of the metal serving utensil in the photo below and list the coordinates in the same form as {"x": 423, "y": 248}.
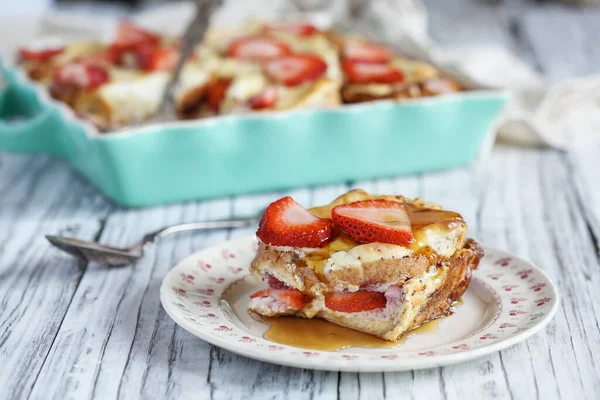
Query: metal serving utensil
{"x": 96, "y": 252}
{"x": 192, "y": 36}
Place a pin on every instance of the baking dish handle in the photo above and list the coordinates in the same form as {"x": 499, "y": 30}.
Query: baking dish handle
{"x": 28, "y": 125}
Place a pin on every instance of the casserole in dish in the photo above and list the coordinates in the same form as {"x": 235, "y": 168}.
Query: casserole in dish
{"x": 248, "y": 152}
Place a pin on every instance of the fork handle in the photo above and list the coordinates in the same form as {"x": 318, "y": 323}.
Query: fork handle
{"x": 195, "y": 226}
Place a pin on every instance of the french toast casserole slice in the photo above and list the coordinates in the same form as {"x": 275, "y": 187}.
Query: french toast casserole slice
{"x": 363, "y": 282}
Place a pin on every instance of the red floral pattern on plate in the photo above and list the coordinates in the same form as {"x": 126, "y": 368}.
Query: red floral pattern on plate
{"x": 204, "y": 266}
{"x": 522, "y": 297}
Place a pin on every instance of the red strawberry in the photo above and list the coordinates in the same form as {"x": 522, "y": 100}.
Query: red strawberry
{"x": 351, "y": 302}
{"x": 362, "y": 72}
{"x": 287, "y": 223}
{"x": 275, "y": 283}
{"x": 291, "y": 297}
{"x": 99, "y": 58}
{"x": 81, "y": 75}
{"x": 129, "y": 36}
{"x": 42, "y": 54}
{"x": 257, "y": 48}
{"x": 294, "y": 69}
{"x": 294, "y": 27}
{"x": 154, "y": 58}
{"x": 374, "y": 221}
{"x": 216, "y": 93}
{"x": 265, "y": 99}
{"x": 357, "y": 50}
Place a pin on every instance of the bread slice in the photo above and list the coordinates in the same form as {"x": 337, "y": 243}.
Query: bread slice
{"x": 129, "y": 98}
{"x": 420, "y": 281}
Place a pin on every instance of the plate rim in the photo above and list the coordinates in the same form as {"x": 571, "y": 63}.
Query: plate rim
{"x": 399, "y": 364}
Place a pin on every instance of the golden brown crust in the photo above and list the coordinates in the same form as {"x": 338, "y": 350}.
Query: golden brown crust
{"x": 456, "y": 283}
{"x": 192, "y": 103}
{"x": 39, "y": 71}
{"x": 413, "y": 90}
{"x": 69, "y": 94}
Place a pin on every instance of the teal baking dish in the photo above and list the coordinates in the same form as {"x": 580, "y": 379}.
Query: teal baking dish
{"x": 231, "y": 155}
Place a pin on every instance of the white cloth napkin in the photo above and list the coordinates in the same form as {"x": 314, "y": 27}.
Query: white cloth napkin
{"x": 564, "y": 115}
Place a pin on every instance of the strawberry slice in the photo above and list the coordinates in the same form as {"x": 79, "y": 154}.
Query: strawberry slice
{"x": 361, "y": 72}
{"x": 107, "y": 56}
{"x": 216, "y": 93}
{"x": 371, "y": 221}
{"x": 294, "y": 69}
{"x": 257, "y": 48}
{"x": 265, "y": 99}
{"x": 287, "y": 223}
{"x": 27, "y": 54}
{"x": 351, "y": 302}
{"x": 275, "y": 283}
{"x": 42, "y": 49}
{"x": 129, "y": 36}
{"x": 357, "y": 50}
{"x": 150, "y": 58}
{"x": 290, "y": 297}
{"x": 297, "y": 28}
{"x": 81, "y": 75}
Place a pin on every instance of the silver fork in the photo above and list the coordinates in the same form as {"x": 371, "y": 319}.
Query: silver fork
{"x": 96, "y": 252}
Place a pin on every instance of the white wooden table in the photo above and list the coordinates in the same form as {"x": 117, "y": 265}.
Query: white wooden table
{"x": 71, "y": 330}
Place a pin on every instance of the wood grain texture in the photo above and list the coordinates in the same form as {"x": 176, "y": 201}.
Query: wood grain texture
{"x": 37, "y": 284}
{"x": 70, "y": 330}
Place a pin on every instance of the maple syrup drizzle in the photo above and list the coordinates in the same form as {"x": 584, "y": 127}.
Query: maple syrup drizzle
{"x": 318, "y": 334}
{"x": 422, "y": 217}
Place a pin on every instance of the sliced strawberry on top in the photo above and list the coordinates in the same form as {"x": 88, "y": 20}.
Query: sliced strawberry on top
{"x": 297, "y": 28}
{"x": 107, "y": 56}
{"x": 42, "y": 49}
{"x": 216, "y": 93}
{"x": 294, "y": 69}
{"x": 39, "y": 55}
{"x": 29, "y": 54}
{"x": 149, "y": 58}
{"x": 351, "y": 302}
{"x": 257, "y": 48}
{"x": 361, "y": 72}
{"x": 291, "y": 297}
{"x": 265, "y": 99}
{"x": 371, "y": 221}
{"x": 287, "y": 223}
{"x": 81, "y": 75}
{"x": 129, "y": 36}
{"x": 358, "y": 50}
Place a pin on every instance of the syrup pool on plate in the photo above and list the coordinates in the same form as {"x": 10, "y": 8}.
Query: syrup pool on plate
{"x": 318, "y": 334}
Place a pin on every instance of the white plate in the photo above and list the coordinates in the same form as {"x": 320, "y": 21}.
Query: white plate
{"x": 508, "y": 300}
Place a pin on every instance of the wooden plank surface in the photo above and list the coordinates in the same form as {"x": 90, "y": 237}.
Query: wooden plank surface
{"x": 71, "y": 330}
